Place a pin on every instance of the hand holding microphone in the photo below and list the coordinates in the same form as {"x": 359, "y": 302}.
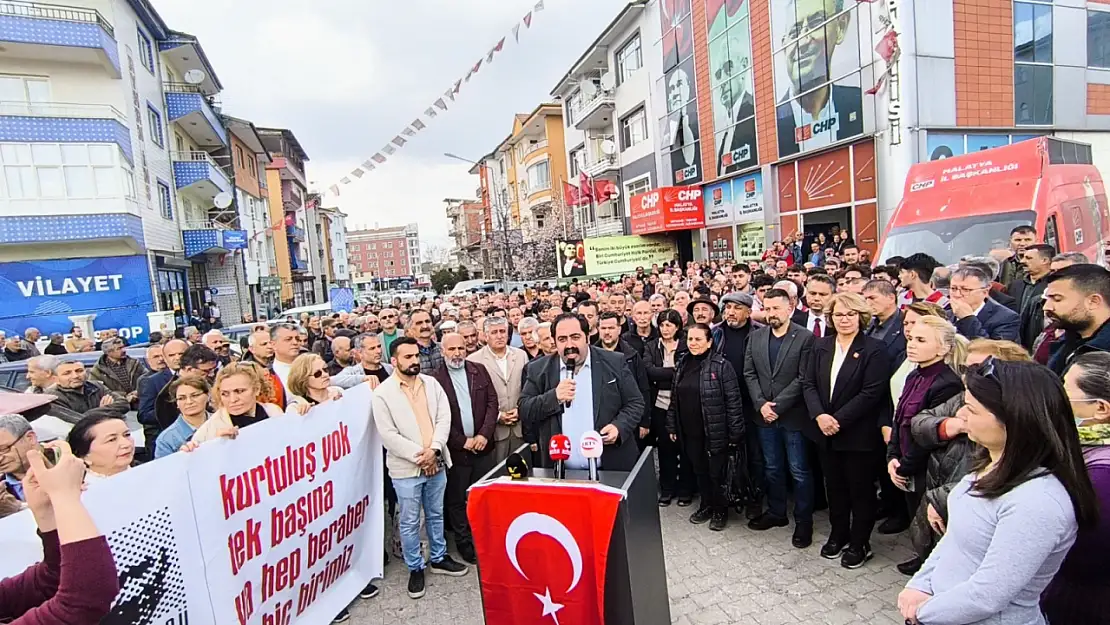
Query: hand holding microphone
{"x": 559, "y": 450}
{"x": 564, "y": 392}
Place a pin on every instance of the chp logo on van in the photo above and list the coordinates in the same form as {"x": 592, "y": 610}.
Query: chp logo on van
{"x": 668, "y": 208}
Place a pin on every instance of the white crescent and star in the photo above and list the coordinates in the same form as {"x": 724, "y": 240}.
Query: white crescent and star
{"x": 534, "y": 522}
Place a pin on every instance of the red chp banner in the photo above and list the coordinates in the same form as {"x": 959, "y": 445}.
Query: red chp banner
{"x": 542, "y": 550}
{"x": 667, "y": 208}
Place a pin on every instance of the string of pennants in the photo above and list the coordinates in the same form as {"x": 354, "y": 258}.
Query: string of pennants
{"x": 436, "y": 108}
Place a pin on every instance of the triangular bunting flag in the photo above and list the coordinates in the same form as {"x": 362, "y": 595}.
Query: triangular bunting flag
{"x": 368, "y": 165}
{"x": 389, "y": 149}
{"x": 528, "y": 20}
{"x": 334, "y": 189}
{"x": 345, "y": 180}
{"x": 430, "y": 112}
{"x": 516, "y": 32}
{"x": 538, "y": 7}
{"x": 408, "y": 132}
{"x": 450, "y": 93}
{"x": 419, "y": 125}
{"x": 441, "y": 104}
{"x": 358, "y": 173}
{"x": 399, "y": 141}
{"x": 458, "y": 85}
{"x": 378, "y": 158}
{"x": 877, "y": 87}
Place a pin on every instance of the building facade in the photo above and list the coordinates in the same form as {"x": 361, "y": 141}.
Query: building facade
{"x": 467, "y": 218}
{"x": 384, "y": 257}
{"x": 287, "y": 189}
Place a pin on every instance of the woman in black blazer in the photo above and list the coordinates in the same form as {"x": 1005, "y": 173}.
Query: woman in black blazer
{"x": 846, "y": 406}
{"x": 676, "y": 476}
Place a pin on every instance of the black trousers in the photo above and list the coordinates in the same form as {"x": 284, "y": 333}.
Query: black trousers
{"x": 676, "y": 474}
{"x": 460, "y": 478}
{"x": 711, "y": 483}
{"x": 850, "y": 486}
{"x": 755, "y": 462}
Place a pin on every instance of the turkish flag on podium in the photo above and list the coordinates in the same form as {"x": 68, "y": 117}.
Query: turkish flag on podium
{"x": 542, "y": 550}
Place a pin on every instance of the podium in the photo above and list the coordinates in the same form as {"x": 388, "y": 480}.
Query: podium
{"x": 635, "y": 590}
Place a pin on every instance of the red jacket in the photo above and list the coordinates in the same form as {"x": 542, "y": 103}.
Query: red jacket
{"x": 74, "y": 584}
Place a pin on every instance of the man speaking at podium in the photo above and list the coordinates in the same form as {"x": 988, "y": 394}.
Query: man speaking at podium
{"x": 579, "y": 389}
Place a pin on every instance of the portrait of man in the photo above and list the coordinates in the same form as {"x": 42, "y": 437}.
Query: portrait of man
{"x": 816, "y": 73}
{"x": 680, "y": 128}
{"x": 733, "y": 99}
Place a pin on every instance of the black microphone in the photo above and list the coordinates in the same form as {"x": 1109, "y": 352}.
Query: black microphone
{"x": 517, "y": 467}
{"x": 572, "y": 363}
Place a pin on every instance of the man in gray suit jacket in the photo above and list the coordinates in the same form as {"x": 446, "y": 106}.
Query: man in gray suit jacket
{"x": 505, "y": 365}
{"x": 600, "y": 395}
{"x": 773, "y": 363}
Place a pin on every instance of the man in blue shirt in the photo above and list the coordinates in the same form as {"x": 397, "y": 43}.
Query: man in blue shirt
{"x": 16, "y": 438}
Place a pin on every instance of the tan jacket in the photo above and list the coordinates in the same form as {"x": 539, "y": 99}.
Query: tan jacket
{"x": 398, "y": 428}
{"x": 221, "y": 421}
{"x": 508, "y": 388}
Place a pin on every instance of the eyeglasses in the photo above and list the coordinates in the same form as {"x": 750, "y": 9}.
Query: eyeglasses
{"x": 319, "y": 373}
{"x": 959, "y": 290}
{"x": 846, "y": 315}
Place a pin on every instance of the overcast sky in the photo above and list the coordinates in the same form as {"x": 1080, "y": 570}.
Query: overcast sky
{"x": 347, "y": 75}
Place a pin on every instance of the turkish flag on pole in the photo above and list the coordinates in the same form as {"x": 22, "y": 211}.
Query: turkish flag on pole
{"x": 604, "y": 190}
{"x": 543, "y": 550}
{"x": 571, "y": 195}
{"x": 585, "y": 187}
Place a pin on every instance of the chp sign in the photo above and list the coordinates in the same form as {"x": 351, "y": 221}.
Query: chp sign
{"x": 667, "y": 208}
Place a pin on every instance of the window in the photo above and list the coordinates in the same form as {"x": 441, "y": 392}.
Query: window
{"x": 539, "y": 176}
{"x": 577, "y": 157}
{"x": 574, "y": 102}
{"x": 636, "y": 187}
{"x": 65, "y": 170}
{"x": 1032, "y": 33}
{"x": 154, "y": 119}
{"x": 178, "y": 142}
{"x": 1032, "y": 63}
{"x": 1051, "y": 236}
{"x": 629, "y": 59}
{"x": 1098, "y": 39}
{"x": 165, "y": 200}
{"x": 19, "y": 94}
{"x": 146, "y": 51}
{"x": 1032, "y": 95}
{"x": 634, "y": 129}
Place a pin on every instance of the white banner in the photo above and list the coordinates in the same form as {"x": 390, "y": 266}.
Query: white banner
{"x": 283, "y": 525}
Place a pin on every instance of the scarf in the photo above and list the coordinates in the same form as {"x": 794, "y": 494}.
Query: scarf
{"x": 912, "y": 401}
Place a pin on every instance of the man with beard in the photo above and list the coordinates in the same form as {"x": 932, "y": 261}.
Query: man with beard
{"x": 469, "y": 332}
{"x": 1077, "y": 300}
{"x": 825, "y": 113}
{"x": 1029, "y": 291}
{"x": 421, "y": 328}
{"x": 643, "y": 331}
{"x": 413, "y": 416}
{"x": 609, "y": 338}
{"x": 474, "y": 410}
{"x": 731, "y": 341}
{"x": 773, "y": 363}
{"x": 585, "y": 388}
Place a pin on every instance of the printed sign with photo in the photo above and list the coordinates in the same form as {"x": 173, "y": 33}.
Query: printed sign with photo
{"x": 731, "y": 78}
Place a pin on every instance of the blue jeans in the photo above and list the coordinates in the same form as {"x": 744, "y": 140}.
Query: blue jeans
{"x": 413, "y": 495}
{"x": 781, "y": 449}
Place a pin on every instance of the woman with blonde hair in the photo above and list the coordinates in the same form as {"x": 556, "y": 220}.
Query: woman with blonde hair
{"x": 939, "y": 354}
{"x": 309, "y": 381}
{"x": 235, "y": 395}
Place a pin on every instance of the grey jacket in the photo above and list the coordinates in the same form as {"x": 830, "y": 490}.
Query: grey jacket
{"x": 781, "y": 381}
{"x": 86, "y": 400}
{"x": 354, "y": 375}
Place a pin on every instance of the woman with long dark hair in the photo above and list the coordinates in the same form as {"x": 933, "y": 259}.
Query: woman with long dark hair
{"x": 1078, "y": 592}
{"x": 706, "y": 417}
{"x": 846, "y": 388}
{"x": 675, "y": 476}
{"x": 1013, "y": 519}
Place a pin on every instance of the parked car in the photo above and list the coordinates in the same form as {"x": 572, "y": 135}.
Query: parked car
{"x": 13, "y": 375}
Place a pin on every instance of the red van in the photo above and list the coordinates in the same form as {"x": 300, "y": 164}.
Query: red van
{"x": 966, "y": 205}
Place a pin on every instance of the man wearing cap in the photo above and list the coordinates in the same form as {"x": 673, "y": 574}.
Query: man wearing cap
{"x": 703, "y": 310}
{"x": 730, "y": 339}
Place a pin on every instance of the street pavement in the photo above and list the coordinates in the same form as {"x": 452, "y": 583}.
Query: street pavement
{"x": 734, "y": 576}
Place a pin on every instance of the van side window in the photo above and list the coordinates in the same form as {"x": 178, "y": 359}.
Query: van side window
{"x": 1051, "y": 236}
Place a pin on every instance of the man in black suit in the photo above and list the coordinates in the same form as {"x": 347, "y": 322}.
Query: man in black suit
{"x": 886, "y": 319}
{"x": 474, "y": 412}
{"x": 826, "y": 113}
{"x": 554, "y": 398}
{"x": 736, "y": 149}
{"x": 773, "y": 362}
{"x": 609, "y": 339}
{"x": 976, "y": 314}
{"x": 1029, "y": 291}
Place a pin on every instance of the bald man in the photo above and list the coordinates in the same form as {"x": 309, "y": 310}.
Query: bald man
{"x": 342, "y": 356}
{"x": 643, "y": 330}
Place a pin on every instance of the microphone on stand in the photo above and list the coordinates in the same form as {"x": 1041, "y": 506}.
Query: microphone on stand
{"x": 591, "y": 447}
{"x": 559, "y": 450}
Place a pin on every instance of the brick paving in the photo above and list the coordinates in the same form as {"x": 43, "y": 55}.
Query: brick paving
{"x": 735, "y": 576}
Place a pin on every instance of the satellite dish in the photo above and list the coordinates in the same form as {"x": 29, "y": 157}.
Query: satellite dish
{"x": 608, "y": 81}
{"x": 194, "y": 76}
{"x": 614, "y": 192}
{"x": 222, "y": 199}
{"x": 589, "y": 89}
{"x": 608, "y": 147}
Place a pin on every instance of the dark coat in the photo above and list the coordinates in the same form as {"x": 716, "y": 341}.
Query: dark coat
{"x": 86, "y": 400}
{"x": 1071, "y": 345}
{"x": 846, "y": 99}
{"x": 722, "y": 407}
{"x": 636, "y": 366}
{"x": 617, "y": 400}
{"x": 895, "y": 342}
{"x": 780, "y": 381}
{"x": 994, "y": 321}
{"x": 949, "y": 462}
{"x": 1032, "y": 313}
{"x": 483, "y": 405}
{"x": 638, "y": 342}
{"x": 103, "y": 373}
{"x": 150, "y": 385}
{"x": 660, "y": 378}
{"x": 862, "y": 392}
{"x": 944, "y": 387}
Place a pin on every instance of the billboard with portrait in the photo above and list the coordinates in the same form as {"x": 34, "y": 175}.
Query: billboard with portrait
{"x": 607, "y": 256}
{"x": 676, "y": 23}
{"x": 571, "y": 258}
{"x": 820, "y": 47}
{"x": 679, "y": 132}
{"x": 731, "y": 81}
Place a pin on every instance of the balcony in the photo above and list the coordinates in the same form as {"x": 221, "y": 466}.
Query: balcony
{"x": 596, "y": 112}
{"x": 295, "y": 233}
{"x": 198, "y": 174}
{"x": 291, "y": 198}
{"x": 52, "y": 32}
{"x": 454, "y": 210}
{"x": 211, "y": 237}
{"x": 604, "y": 227}
{"x": 61, "y": 122}
{"x": 598, "y": 165}
{"x": 124, "y": 226}
{"x": 297, "y": 261}
{"x": 288, "y": 168}
{"x": 192, "y": 111}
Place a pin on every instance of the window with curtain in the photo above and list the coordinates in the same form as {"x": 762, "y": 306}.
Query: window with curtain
{"x": 539, "y": 176}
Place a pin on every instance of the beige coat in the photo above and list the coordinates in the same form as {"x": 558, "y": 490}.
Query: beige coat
{"x": 508, "y": 388}
{"x": 221, "y": 421}
{"x": 398, "y": 428}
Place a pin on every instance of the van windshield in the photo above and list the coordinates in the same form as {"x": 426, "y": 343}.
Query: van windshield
{"x": 948, "y": 240}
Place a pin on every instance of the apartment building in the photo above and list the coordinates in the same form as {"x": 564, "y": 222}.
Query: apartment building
{"x": 385, "y": 256}
{"x": 333, "y": 248}
{"x": 287, "y": 189}
{"x": 466, "y": 231}
{"x": 609, "y": 117}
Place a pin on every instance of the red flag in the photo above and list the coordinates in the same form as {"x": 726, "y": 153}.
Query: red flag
{"x": 572, "y": 196}
{"x": 877, "y": 87}
{"x": 887, "y": 47}
{"x": 604, "y": 190}
{"x": 586, "y": 189}
{"x": 528, "y": 20}
{"x": 543, "y": 550}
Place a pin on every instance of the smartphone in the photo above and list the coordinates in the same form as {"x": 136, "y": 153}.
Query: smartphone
{"x": 49, "y": 455}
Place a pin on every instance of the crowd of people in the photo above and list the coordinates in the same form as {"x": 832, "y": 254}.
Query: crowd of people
{"x": 967, "y": 405}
